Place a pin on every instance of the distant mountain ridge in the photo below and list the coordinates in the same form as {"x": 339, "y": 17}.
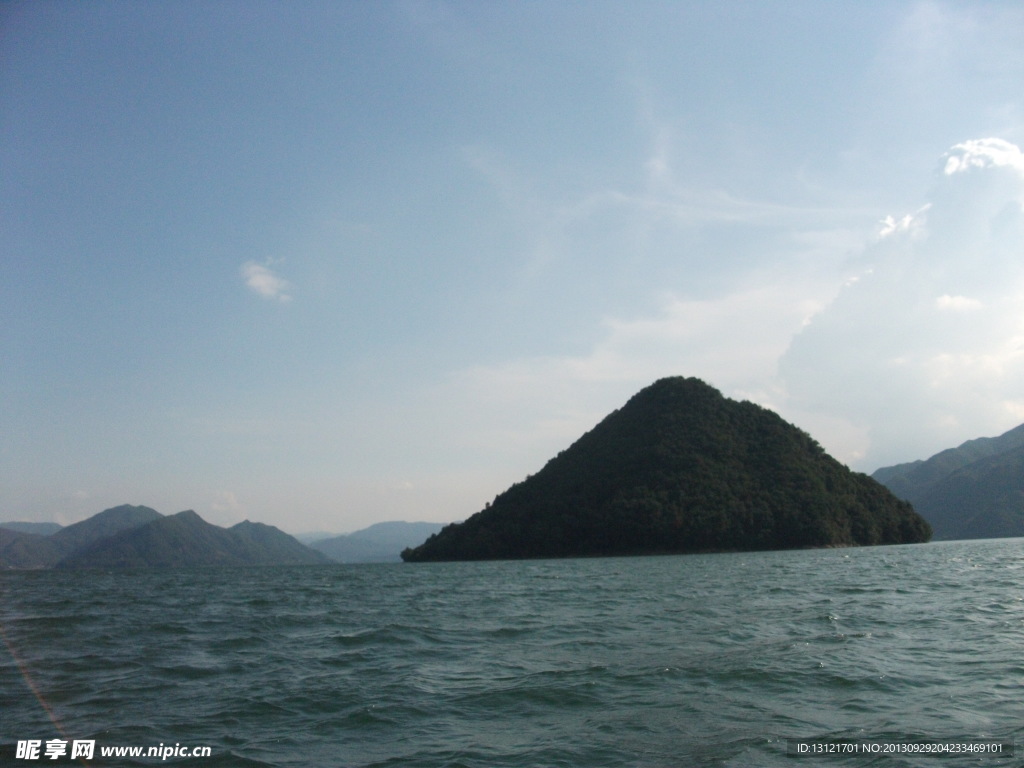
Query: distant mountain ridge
{"x": 973, "y": 491}
{"x": 100, "y": 526}
{"x": 43, "y": 529}
{"x": 23, "y": 550}
{"x": 140, "y": 537}
{"x": 380, "y": 543}
{"x": 680, "y": 468}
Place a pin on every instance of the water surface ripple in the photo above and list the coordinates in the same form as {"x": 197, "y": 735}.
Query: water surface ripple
{"x": 706, "y": 660}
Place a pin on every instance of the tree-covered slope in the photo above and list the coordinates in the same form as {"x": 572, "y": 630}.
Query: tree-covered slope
{"x": 680, "y": 468}
{"x": 974, "y": 491}
{"x": 914, "y": 479}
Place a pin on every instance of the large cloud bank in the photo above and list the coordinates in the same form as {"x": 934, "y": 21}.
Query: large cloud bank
{"x": 925, "y": 347}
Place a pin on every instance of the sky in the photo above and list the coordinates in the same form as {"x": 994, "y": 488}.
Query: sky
{"x": 321, "y": 265}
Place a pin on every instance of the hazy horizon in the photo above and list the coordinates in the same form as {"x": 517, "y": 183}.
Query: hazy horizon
{"x": 306, "y": 536}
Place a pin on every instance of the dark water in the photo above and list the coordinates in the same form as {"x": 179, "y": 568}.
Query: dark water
{"x": 710, "y": 660}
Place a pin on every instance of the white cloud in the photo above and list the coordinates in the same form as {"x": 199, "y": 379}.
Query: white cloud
{"x": 983, "y": 153}
{"x": 261, "y": 280}
{"x": 926, "y": 349}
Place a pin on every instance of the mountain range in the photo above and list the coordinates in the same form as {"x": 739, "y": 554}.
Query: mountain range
{"x": 973, "y": 491}
{"x": 140, "y": 537}
{"x": 680, "y": 468}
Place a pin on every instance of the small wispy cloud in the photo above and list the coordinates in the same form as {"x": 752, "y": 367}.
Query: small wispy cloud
{"x": 225, "y": 501}
{"x": 260, "y": 279}
{"x": 912, "y": 223}
{"x": 949, "y": 303}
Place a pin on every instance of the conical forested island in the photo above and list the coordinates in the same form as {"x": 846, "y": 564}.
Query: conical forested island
{"x": 681, "y": 469}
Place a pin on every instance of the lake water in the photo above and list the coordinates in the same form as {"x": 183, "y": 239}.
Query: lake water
{"x": 701, "y": 660}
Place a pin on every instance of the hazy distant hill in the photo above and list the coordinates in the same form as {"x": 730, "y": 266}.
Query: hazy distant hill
{"x": 308, "y": 537}
{"x": 23, "y": 550}
{"x": 267, "y": 545}
{"x": 379, "y": 543}
{"x": 915, "y": 476}
{"x": 26, "y": 550}
{"x": 42, "y": 529}
{"x": 974, "y": 491}
{"x": 680, "y": 468}
{"x": 141, "y": 537}
{"x": 27, "y": 545}
{"x": 107, "y": 523}
{"x": 186, "y": 540}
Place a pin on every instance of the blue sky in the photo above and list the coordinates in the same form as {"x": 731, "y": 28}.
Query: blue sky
{"x": 326, "y": 264}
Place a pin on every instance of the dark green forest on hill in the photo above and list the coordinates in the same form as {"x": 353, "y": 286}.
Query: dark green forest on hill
{"x": 680, "y": 468}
